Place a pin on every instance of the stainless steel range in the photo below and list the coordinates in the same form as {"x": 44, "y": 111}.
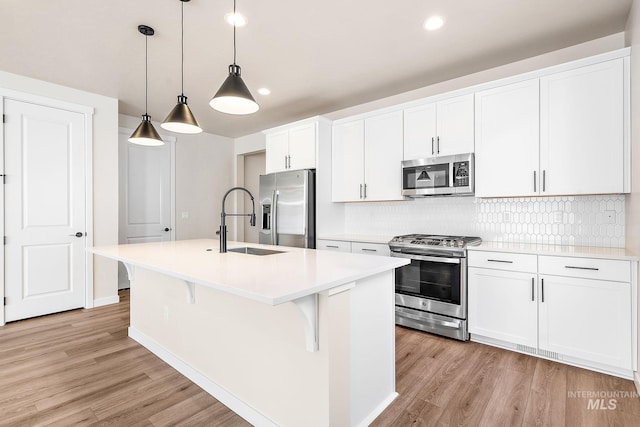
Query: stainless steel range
{"x": 431, "y": 291}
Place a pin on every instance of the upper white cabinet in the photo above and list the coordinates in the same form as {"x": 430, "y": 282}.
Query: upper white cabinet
{"x": 291, "y": 148}
{"x": 439, "y": 128}
{"x": 507, "y": 140}
{"x": 582, "y": 130}
{"x": 366, "y": 159}
{"x": 560, "y": 134}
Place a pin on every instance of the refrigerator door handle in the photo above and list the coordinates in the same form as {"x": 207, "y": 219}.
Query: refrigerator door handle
{"x": 274, "y": 217}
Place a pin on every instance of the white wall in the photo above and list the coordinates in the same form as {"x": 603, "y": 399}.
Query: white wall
{"x": 204, "y": 171}
{"x": 633, "y": 199}
{"x": 105, "y": 169}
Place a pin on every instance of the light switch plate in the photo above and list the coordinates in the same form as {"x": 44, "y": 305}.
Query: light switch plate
{"x": 185, "y": 215}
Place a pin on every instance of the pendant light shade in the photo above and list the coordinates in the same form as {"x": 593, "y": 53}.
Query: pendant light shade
{"x": 145, "y": 133}
{"x": 234, "y": 97}
{"x": 181, "y": 119}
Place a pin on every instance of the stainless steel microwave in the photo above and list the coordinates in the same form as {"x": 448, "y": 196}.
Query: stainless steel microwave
{"x": 438, "y": 176}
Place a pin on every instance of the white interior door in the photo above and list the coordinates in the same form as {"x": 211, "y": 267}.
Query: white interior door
{"x": 44, "y": 209}
{"x": 146, "y": 194}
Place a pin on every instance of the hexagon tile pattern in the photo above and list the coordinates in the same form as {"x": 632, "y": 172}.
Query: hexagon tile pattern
{"x": 571, "y": 220}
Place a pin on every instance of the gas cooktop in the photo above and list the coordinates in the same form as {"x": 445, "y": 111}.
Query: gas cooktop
{"x": 420, "y": 243}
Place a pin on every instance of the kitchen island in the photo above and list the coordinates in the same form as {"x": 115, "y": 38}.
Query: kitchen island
{"x": 292, "y": 338}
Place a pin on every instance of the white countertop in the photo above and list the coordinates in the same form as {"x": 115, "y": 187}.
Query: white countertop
{"x": 560, "y": 250}
{"x": 271, "y": 279}
{"x": 356, "y": 238}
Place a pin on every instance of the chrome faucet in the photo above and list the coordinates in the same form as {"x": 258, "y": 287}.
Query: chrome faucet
{"x": 223, "y": 215}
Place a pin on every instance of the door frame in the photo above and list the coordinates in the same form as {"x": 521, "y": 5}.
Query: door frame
{"x": 171, "y": 140}
{"x": 87, "y": 112}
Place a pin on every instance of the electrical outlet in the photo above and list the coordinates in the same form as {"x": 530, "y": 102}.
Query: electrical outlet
{"x": 557, "y": 217}
{"x": 610, "y": 217}
{"x": 506, "y": 216}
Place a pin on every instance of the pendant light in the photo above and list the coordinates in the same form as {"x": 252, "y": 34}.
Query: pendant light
{"x": 145, "y": 133}
{"x": 233, "y": 97}
{"x": 181, "y": 119}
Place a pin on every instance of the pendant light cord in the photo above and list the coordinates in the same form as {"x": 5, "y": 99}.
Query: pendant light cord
{"x": 235, "y": 24}
{"x": 182, "y": 49}
{"x": 146, "y": 79}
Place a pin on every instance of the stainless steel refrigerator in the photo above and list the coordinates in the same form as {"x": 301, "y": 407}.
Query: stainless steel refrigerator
{"x": 287, "y": 209}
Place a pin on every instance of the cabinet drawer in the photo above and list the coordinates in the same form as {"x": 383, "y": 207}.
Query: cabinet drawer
{"x": 334, "y": 245}
{"x": 587, "y": 268}
{"x": 503, "y": 261}
{"x": 370, "y": 248}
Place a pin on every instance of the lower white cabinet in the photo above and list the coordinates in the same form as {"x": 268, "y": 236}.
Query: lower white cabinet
{"x": 572, "y": 309}
{"x": 502, "y": 305}
{"x": 379, "y": 249}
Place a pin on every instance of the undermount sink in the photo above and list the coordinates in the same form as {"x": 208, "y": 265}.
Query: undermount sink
{"x": 254, "y": 251}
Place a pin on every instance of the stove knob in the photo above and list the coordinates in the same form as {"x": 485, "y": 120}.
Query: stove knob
{"x": 460, "y": 243}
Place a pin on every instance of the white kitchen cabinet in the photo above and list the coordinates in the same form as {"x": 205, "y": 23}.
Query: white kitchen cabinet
{"x": 503, "y": 305}
{"x": 507, "y": 140}
{"x": 291, "y": 148}
{"x": 561, "y": 134}
{"x": 439, "y": 128}
{"x": 573, "y": 309}
{"x": 366, "y": 159}
{"x": 333, "y": 245}
{"x": 365, "y": 248}
{"x": 585, "y": 309}
{"x": 582, "y": 130}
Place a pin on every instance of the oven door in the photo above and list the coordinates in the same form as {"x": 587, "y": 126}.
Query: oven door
{"x": 432, "y": 283}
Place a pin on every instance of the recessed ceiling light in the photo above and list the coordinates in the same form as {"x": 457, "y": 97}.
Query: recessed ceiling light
{"x": 235, "y": 19}
{"x": 433, "y": 23}
{"x": 264, "y": 91}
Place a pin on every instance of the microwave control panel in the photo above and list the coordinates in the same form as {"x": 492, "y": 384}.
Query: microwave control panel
{"x": 461, "y": 174}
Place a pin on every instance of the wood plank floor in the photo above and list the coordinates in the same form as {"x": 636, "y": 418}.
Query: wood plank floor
{"x": 79, "y": 368}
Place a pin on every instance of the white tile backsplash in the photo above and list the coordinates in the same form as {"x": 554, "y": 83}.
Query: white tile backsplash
{"x": 572, "y": 220}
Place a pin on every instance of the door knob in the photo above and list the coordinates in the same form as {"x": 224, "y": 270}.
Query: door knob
{"x": 78, "y": 234}
{"x": 166, "y": 229}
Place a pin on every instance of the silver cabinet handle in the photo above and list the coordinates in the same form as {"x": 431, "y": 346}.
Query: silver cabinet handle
{"x": 369, "y": 250}
{"x": 542, "y": 289}
{"x": 544, "y": 179}
{"x": 365, "y": 191}
{"x": 361, "y": 191}
{"x": 534, "y": 181}
{"x": 533, "y": 289}
{"x": 438, "y": 145}
{"x": 432, "y": 145}
{"x": 289, "y": 158}
{"x": 500, "y": 260}
{"x": 582, "y": 268}
{"x": 333, "y": 246}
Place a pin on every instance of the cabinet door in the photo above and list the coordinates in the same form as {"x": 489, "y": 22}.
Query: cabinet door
{"x": 347, "y": 161}
{"x": 587, "y": 319}
{"x": 383, "y": 157}
{"x": 420, "y": 132}
{"x": 277, "y": 150}
{"x": 507, "y": 140}
{"x": 582, "y": 130}
{"x": 302, "y": 147}
{"x": 502, "y": 305}
{"x": 455, "y": 124}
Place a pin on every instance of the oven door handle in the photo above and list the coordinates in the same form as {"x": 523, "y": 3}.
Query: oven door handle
{"x": 428, "y": 321}
{"x": 427, "y": 258}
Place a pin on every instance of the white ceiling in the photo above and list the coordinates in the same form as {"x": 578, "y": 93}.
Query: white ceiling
{"x": 316, "y": 57}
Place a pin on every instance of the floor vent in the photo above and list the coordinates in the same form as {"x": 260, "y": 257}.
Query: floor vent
{"x": 549, "y": 354}
{"x": 526, "y": 349}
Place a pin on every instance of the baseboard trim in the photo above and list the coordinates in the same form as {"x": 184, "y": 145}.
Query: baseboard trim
{"x": 636, "y": 381}
{"x": 225, "y": 397}
{"x": 99, "y": 302}
{"x": 378, "y": 410}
